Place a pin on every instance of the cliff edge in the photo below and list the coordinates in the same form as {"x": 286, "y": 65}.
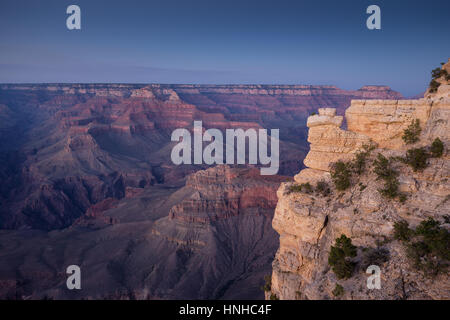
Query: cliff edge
{"x": 377, "y": 193}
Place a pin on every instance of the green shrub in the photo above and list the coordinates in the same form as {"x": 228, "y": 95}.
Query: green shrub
{"x": 343, "y": 269}
{"x": 434, "y": 85}
{"x": 396, "y": 159}
{"x": 323, "y": 188}
{"x": 402, "y": 198}
{"x": 428, "y": 247}
{"x": 437, "y": 148}
{"x": 295, "y": 188}
{"x": 437, "y": 73}
{"x": 446, "y": 218}
{"x": 390, "y": 188}
{"x": 384, "y": 171}
{"x": 338, "y": 290}
{"x": 339, "y": 256}
{"x": 304, "y": 187}
{"x": 435, "y": 237}
{"x": 340, "y": 174}
{"x": 417, "y": 158}
{"x": 359, "y": 162}
{"x": 402, "y": 231}
{"x": 382, "y": 168}
{"x": 273, "y": 296}
{"x": 423, "y": 260}
{"x": 412, "y": 133}
{"x": 267, "y": 283}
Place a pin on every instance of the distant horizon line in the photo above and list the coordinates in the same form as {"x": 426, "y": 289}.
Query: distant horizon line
{"x": 191, "y": 84}
{"x": 198, "y": 85}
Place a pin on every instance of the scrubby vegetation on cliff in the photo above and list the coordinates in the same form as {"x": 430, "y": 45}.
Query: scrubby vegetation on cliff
{"x": 274, "y": 297}
{"x": 384, "y": 171}
{"x": 267, "y": 283}
{"x": 304, "y": 187}
{"x": 435, "y": 75}
{"x": 322, "y": 188}
{"x": 412, "y": 132}
{"x": 417, "y": 158}
{"x": 437, "y": 148}
{"x": 342, "y": 171}
{"x": 427, "y": 247}
{"x": 341, "y": 174}
{"x": 360, "y": 160}
{"x": 402, "y": 231}
{"x": 338, "y": 290}
{"x": 340, "y": 255}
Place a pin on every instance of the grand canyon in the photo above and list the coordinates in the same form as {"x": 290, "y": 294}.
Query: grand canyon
{"x": 88, "y": 181}
{"x": 224, "y": 159}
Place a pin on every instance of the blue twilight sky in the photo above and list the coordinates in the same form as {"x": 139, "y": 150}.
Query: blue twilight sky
{"x": 233, "y": 41}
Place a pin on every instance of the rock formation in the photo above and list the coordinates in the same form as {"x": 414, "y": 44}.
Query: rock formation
{"x": 309, "y": 222}
{"x": 328, "y": 141}
{"x": 88, "y": 180}
{"x": 65, "y": 147}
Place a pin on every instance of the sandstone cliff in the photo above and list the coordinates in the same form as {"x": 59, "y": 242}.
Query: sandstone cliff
{"x": 309, "y": 222}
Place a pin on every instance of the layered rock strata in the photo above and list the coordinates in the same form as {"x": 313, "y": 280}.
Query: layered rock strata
{"x": 309, "y": 223}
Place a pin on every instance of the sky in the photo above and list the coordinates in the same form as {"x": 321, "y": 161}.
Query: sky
{"x": 225, "y": 42}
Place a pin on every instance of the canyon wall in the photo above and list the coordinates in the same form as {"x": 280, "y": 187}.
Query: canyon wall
{"x": 66, "y": 147}
{"x": 309, "y": 222}
{"x": 88, "y": 180}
